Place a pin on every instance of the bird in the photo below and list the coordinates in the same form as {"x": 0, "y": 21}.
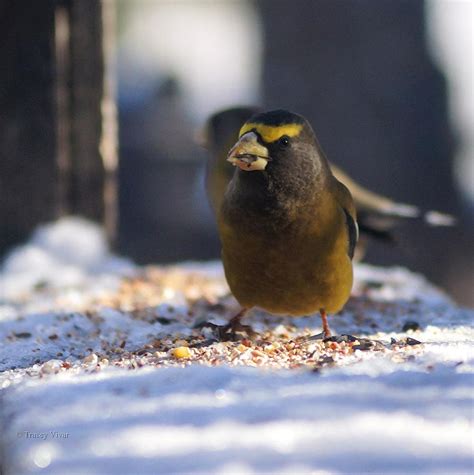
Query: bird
{"x": 218, "y": 135}
{"x": 287, "y": 226}
{"x": 378, "y": 215}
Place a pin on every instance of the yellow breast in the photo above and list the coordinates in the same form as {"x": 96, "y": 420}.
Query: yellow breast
{"x": 295, "y": 271}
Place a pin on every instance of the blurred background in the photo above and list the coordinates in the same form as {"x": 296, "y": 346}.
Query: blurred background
{"x": 386, "y": 84}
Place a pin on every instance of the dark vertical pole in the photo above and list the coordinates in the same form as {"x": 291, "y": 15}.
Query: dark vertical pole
{"x": 58, "y": 147}
{"x": 109, "y": 138}
{"x": 86, "y": 78}
{"x": 27, "y": 118}
{"x": 63, "y": 107}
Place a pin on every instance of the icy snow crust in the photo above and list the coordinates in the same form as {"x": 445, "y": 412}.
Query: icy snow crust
{"x": 78, "y": 397}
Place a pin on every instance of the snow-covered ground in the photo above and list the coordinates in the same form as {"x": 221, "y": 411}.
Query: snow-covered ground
{"x": 104, "y": 370}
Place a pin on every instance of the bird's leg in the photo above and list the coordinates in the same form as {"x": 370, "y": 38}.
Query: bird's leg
{"x": 234, "y": 322}
{"x": 229, "y": 331}
{"x": 324, "y": 319}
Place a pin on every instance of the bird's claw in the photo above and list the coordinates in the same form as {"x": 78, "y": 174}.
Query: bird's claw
{"x": 229, "y": 332}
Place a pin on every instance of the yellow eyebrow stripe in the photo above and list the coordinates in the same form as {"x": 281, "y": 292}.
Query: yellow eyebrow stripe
{"x": 270, "y": 133}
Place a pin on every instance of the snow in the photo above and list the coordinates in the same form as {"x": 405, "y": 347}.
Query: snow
{"x": 62, "y": 254}
{"x": 213, "y": 420}
{"x": 67, "y": 408}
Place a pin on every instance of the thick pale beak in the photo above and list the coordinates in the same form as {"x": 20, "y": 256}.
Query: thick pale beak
{"x": 248, "y": 154}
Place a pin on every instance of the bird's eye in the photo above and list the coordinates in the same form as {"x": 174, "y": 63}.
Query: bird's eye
{"x": 284, "y": 141}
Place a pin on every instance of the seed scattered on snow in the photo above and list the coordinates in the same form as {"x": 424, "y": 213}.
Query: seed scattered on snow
{"x": 23, "y": 334}
{"x": 181, "y": 343}
{"x": 410, "y": 325}
{"x": 91, "y": 360}
{"x": 52, "y": 366}
{"x": 198, "y": 298}
{"x": 412, "y": 341}
{"x": 181, "y": 352}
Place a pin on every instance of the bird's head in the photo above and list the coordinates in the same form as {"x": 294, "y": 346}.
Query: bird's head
{"x": 222, "y": 128}
{"x": 279, "y": 143}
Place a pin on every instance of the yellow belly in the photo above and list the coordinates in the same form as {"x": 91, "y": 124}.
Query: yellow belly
{"x": 297, "y": 272}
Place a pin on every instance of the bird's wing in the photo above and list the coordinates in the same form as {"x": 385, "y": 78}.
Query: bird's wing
{"x": 345, "y": 201}
{"x": 377, "y": 213}
{"x": 373, "y": 203}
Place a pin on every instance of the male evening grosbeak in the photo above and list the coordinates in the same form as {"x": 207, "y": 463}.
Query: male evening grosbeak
{"x": 287, "y": 225}
{"x": 377, "y": 215}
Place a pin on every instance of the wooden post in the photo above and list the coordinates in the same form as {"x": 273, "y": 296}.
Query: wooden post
{"x": 58, "y": 148}
{"x": 27, "y": 118}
